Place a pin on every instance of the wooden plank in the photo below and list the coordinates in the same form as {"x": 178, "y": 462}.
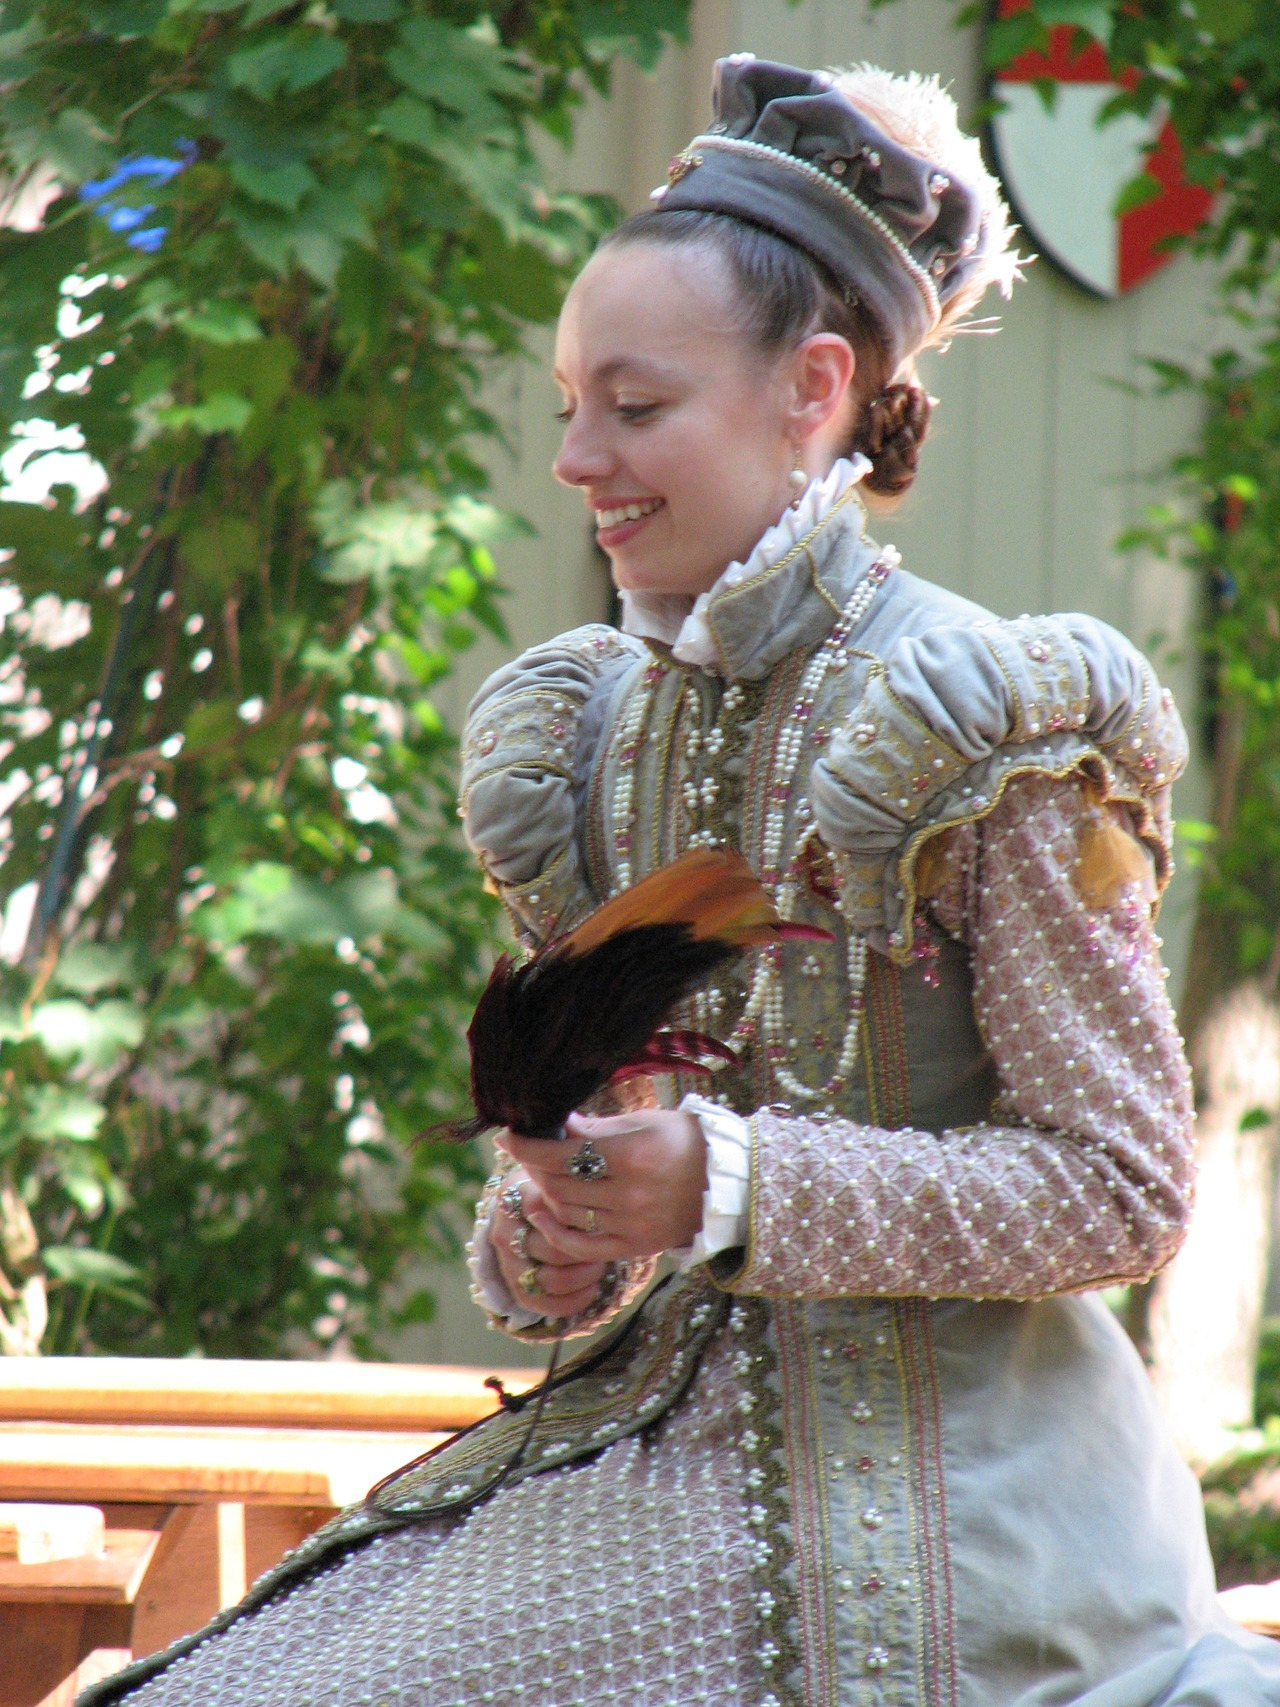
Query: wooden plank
{"x": 231, "y": 1392}
{"x": 38, "y": 1534}
{"x": 1255, "y": 1605}
{"x": 271, "y": 1531}
{"x": 231, "y": 1553}
{"x": 293, "y": 1467}
{"x": 104, "y": 1648}
{"x": 111, "y": 1578}
{"x": 39, "y": 1651}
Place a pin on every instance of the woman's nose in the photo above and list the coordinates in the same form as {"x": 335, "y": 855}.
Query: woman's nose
{"x": 584, "y": 458}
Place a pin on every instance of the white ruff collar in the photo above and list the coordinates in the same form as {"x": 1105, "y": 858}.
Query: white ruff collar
{"x": 680, "y": 621}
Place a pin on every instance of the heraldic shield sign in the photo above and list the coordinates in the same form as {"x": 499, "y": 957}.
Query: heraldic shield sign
{"x": 1064, "y": 172}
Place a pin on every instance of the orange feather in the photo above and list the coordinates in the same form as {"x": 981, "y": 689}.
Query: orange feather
{"x": 712, "y": 890}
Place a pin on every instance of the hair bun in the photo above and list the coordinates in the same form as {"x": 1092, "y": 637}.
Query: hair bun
{"x": 890, "y": 432}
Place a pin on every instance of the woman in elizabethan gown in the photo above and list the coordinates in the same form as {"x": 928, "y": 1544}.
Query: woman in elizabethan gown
{"x": 878, "y": 1440}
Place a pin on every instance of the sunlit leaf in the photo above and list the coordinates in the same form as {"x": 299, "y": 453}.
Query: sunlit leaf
{"x": 53, "y": 1111}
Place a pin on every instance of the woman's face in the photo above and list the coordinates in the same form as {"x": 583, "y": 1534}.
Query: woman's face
{"x": 678, "y": 433}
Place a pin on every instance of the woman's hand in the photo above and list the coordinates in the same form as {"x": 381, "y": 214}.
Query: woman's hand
{"x": 566, "y": 1285}
{"x": 648, "y": 1199}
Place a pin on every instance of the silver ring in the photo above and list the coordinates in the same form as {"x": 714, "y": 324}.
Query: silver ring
{"x": 512, "y": 1202}
{"x": 588, "y": 1163}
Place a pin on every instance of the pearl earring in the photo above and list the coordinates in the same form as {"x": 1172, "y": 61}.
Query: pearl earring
{"x": 797, "y": 480}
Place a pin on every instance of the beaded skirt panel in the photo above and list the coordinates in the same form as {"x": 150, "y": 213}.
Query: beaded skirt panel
{"x": 627, "y": 1576}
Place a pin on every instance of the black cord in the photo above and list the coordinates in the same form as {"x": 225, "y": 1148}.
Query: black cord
{"x": 512, "y": 1403}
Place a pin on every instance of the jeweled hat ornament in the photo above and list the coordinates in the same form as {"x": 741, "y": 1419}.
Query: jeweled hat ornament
{"x": 868, "y": 173}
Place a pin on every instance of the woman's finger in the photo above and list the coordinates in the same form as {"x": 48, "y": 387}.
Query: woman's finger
{"x": 585, "y": 1154}
{"x": 573, "y": 1304}
{"x": 536, "y": 1247}
{"x": 578, "y": 1246}
{"x": 559, "y": 1282}
{"x": 555, "y": 1291}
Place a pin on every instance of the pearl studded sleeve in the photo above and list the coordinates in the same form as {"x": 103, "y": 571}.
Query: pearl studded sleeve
{"x": 1085, "y": 1181}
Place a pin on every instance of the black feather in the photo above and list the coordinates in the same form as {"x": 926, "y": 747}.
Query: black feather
{"x": 549, "y": 1034}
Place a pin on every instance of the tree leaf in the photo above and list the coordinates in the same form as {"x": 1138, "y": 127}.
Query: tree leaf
{"x": 1137, "y": 193}
{"x": 70, "y": 1030}
{"x": 1095, "y": 17}
{"x": 286, "y": 63}
{"x": 282, "y": 185}
{"x": 221, "y": 323}
{"x": 87, "y": 1267}
{"x": 1009, "y": 37}
{"x": 221, "y": 412}
{"x": 54, "y": 1111}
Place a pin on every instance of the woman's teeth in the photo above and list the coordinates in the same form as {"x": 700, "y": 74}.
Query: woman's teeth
{"x": 626, "y": 513}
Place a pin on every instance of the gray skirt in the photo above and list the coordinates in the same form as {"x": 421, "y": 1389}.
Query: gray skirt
{"x": 769, "y": 1503}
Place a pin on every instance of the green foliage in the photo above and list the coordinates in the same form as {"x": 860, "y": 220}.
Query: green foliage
{"x": 290, "y": 244}
{"x": 1226, "y": 527}
{"x": 1242, "y": 1507}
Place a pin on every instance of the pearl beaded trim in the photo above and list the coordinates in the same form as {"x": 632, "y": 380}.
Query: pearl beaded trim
{"x": 621, "y": 811}
{"x": 918, "y": 274}
{"x": 765, "y": 1003}
{"x": 765, "y": 1006}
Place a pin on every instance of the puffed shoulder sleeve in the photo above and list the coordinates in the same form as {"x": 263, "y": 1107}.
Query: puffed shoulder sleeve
{"x": 527, "y": 745}
{"x": 948, "y": 718}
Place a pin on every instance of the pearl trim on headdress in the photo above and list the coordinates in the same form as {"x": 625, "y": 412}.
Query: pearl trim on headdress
{"x": 918, "y": 274}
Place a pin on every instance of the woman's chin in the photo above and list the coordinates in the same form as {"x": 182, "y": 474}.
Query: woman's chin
{"x": 632, "y": 574}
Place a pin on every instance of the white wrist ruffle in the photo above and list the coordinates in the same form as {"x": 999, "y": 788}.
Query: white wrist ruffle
{"x": 724, "y": 1202}
{"x": 487, "y": 1285}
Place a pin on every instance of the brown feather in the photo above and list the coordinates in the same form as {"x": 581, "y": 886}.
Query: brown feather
{"x": 590, "y": 1007}
{"x": 712, "y": 890}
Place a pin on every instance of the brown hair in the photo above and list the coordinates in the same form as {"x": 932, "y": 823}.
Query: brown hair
{"x": 787, "y": 297}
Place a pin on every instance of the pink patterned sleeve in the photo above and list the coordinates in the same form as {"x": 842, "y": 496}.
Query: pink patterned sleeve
{"x": 1088, "y": 1179}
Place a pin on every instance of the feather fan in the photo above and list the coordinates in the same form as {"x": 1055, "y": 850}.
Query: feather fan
{"x": 589, "y": 1008}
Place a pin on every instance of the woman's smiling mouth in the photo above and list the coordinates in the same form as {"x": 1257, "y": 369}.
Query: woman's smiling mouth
{"x": 619, "y": 522}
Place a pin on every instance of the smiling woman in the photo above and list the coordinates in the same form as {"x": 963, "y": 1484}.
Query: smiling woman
{"x": 656, "y": 389}
{"x": 871, "y": 1443}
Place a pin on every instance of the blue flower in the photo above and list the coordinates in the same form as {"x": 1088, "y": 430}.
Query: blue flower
{"x": 120, "y": 216}
{"x": 126, "y": 218}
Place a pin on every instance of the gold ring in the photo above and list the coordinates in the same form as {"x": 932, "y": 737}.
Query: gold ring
{"x": 527, "y": 1279}
{"x": 591, "y": 1221}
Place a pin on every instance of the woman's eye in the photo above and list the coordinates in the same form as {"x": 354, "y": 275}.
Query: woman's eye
{"x": 637, "y": 411}
{"x": 565, "y": 415}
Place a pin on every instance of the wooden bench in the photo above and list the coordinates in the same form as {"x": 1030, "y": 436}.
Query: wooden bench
{"x": 206, "y": 1472}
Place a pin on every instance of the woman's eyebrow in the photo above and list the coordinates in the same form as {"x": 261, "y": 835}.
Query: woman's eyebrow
{"x": 639, "y": 365}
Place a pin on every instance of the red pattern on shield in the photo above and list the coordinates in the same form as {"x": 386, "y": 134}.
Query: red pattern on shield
{"x": 1109, "y": 259}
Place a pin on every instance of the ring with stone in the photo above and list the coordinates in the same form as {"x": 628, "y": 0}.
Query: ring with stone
{"x": 527, "y": 1279}
{"x": 512, "y": 1201}
{"x": 520, "y": 1240}
{"x": 588, "y": 1163}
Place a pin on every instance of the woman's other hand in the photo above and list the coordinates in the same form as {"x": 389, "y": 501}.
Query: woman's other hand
{"x": 647, "y": 1199}
{"x": 565, "y": 1284}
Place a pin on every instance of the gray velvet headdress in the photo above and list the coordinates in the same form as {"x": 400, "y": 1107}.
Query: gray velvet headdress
{"x": 897, "y": 228}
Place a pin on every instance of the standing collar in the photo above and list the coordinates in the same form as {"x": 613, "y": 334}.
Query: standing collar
{"x": 786, "y": 595}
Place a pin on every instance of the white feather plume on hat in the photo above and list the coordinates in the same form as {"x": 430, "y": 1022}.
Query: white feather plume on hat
{"x": 919, "y": 113}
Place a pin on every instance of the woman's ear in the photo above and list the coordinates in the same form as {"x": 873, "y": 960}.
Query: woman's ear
{"x": 822, "y": 372}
